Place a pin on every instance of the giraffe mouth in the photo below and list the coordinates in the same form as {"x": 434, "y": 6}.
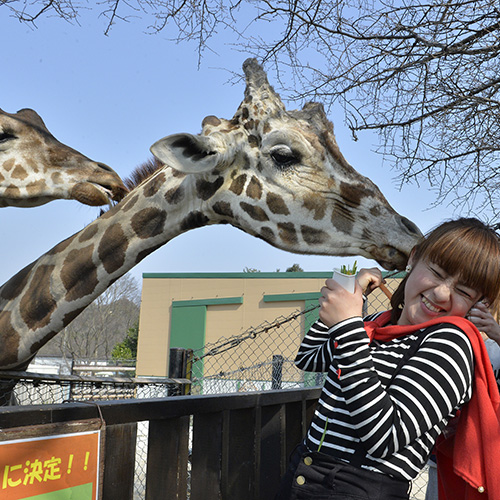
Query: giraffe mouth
{"x": 108, "y": 192}
{"x": 388, "y": 257}
{"x": 94, "y": 194}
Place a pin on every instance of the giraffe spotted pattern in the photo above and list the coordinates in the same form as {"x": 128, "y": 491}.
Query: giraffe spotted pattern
{"x": 275, "y": 174}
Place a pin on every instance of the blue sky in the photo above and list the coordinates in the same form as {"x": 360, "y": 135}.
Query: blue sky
{"x": 111, "y": 97}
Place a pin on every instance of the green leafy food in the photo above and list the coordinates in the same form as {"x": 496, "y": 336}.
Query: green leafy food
{"x": 347, "y": 270}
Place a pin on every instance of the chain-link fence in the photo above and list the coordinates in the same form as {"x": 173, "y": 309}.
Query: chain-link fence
{"x": 259, "y": 359}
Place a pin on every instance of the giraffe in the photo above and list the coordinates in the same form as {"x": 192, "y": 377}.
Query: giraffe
{"x": 36, "y": 168}
{"x": 274, "y": 174}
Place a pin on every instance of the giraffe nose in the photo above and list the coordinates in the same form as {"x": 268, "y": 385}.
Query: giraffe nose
{"x": 105, "y": 167}
{"x": 410, "y": 226}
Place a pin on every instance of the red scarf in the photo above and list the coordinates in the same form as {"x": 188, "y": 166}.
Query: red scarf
{"x": 469, "y": 460}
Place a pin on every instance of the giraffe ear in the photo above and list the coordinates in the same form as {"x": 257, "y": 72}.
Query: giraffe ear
{"x": 187, "y": 153}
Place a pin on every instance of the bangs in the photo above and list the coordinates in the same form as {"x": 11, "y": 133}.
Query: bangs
{"x": 471, "y": 255}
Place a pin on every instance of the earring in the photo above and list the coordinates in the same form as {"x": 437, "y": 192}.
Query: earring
{"x": 408, "y": 268}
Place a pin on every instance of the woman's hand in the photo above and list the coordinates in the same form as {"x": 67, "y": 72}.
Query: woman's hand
{"x": 369, "y": 279}
{"x": 337, "y": 304}
{"x": 484, "y": 321}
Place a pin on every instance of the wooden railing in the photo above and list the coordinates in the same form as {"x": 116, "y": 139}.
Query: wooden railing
{"x": 239, "y": 449}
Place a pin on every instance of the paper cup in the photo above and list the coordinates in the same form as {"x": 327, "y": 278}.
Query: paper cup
{"x": 348, "y": 281}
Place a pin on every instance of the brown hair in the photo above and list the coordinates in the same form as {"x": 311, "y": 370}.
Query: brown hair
{"x": 464, "y": 247}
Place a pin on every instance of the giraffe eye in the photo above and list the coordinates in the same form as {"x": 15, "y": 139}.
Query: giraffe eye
{"x": 283, "y": 156}
{"x": 5, "y": 136}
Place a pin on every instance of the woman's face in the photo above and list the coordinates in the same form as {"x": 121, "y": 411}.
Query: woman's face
{"x": 431, "y": 293}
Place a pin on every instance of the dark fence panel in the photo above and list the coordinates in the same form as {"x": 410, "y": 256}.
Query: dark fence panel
{"x": 167, "y": 465}
{"x": 239, "y": 449}
{"x": 207, "y": 454}
{"x": 119, "y": 449}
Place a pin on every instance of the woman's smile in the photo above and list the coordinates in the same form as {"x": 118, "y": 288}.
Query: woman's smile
{"x": 433, "y": 309}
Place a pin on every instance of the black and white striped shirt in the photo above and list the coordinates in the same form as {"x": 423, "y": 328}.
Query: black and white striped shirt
{"x": 396, "y": 426}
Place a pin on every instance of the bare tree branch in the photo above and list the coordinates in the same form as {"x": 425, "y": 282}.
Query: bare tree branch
{"x": 102, "y": 325}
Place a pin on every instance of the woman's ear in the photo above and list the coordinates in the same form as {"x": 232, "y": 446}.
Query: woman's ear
{"x": 411, "y": 258}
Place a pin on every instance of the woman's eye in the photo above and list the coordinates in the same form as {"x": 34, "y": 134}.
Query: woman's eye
{"x": 436, "y": 272}
{"x": 468, "y": 294}
{"x": 283, "y": 156}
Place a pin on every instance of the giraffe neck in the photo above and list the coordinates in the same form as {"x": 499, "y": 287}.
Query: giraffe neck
{"x": 48, "y": 294}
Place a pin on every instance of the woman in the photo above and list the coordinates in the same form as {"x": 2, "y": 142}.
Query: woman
{"x": 385, "y": 402}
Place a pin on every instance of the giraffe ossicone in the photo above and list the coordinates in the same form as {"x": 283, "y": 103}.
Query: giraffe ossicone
{"x": 275, "y": 174}
{"x": 35, "y": 168}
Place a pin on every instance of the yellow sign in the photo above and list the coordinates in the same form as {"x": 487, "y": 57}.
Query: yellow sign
{"x": 56, "y": 467}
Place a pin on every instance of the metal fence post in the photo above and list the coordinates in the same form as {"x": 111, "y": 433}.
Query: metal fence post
{"x": 180, "y": 366}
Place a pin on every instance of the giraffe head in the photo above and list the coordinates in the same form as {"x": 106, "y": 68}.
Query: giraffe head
{"x": 36, "y": 168}
{"x": 279, "y": 175}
